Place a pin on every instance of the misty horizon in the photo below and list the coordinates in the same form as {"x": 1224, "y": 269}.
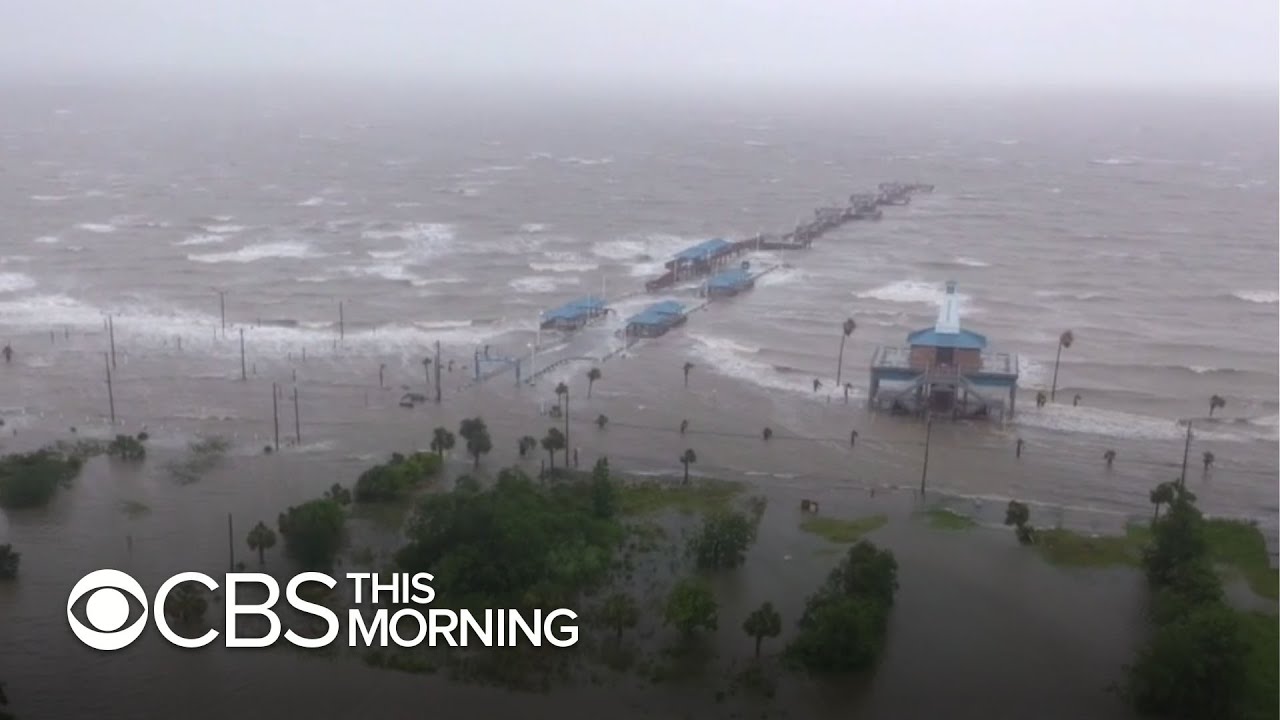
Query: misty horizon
{"x": 761, "y": 44}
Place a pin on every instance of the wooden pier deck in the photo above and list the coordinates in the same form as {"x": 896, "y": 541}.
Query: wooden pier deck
{"x": 861, "y": 206}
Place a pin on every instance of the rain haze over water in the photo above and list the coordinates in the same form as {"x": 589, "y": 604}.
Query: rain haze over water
{"x": 446, "y": 171}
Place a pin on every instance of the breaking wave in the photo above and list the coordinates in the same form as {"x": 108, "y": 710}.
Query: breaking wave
{"x": 200, "y": 240}
{"x": 540, "y": 283}
{"x": 262, "y": 251}
{"x": 101, "y": 228}
{"x": 1257, "y": 296}
{"x": 13, "y": 282}
{"x": 909, "y": 291}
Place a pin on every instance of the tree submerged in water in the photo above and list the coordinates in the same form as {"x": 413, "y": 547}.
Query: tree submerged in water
{"x": 261, "y": 539}
{"x": 29, "y": 480}
{"x": 476, "y": 433}
{"x": 128, "y": 447}
{"x": 1017, "y": 515}
{"x": 691, "y": 607}
{"x": 619, "y": 612}
{"x": 186, "y": 603}
{"x": 9, "y": 560}
{"x": 763, "y": 622}
{"x": 722, "y": 541}
{"x": 844, "y": 623}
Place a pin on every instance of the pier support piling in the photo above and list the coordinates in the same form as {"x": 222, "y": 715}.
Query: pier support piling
{"x": 244, "y": 375}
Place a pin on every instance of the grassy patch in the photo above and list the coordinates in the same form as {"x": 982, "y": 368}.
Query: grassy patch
{"x": 699, "y": 496}
{"x": 843, "y": 531}
{"x": 1073, "y": 549}
{"x": 1241, "y": 546}
{"x": 944, "y": 519}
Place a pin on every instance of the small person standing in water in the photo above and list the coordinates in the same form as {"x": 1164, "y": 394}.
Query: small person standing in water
{"x": 8, "y": 354}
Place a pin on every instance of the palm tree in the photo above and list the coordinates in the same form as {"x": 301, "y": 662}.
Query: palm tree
{"x": 1208, "y": 460}
{"x": 1215, "y": 402}
{"x": 848, "y": 328}
{"x": 1041, "y": 399}
{"x": 1075, "y": 401}
{"x": 1110, "y": 457}
{"x": 592, "y": 376}
{"x": 763, "y": 622}
{"x": 687, "y": 367}
{"x": 426, "y": 369}
{"x": 9, "y": 562}
{"x": 262, "y": 539}
{"x": 768, "y": 433}
{"x": 441, "y": 440}
{"x": 816, "y": 384}
{"x": 1019, "y": 516}
{"x": 602, "y": 420}
{"x": 688, "y": 458}
{"x": 476, "y": 433}
{"x": 186, "y": 604}
{"x": 562, "y": 392}
{"x": 1064, "y": 341}
{"x": 527, "y": 443}
{"x": 338, "y": 494}
{"x": 553, "y": 441}
{"x": 684, "y": 425}
{"x": 1163, "y": 494}
{"x": 620, "y": 612}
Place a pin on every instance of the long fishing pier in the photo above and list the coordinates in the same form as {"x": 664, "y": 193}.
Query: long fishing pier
{"x": 712, "y": 256}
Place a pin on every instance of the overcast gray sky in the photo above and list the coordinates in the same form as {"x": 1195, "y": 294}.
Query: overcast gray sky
{"x": 1077, "y": 42}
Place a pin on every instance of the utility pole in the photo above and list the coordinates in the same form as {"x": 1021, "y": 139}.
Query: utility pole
{"x": 1186, "y": 452}
{"x": 111, "y": 333}
{"x": 924, "y": 471}
{"x": 243, "y": 375}
{"x": 437, "y": 372}
{"x": 111, "y": 397}
{"x": 231, "y": 543}
{"x": 275, "y": 415}
{"x": 381, "y": 369}
{"x": 222, "y": 309}
{"x": 342, "y": 333}
{"x": 297, "y": 423}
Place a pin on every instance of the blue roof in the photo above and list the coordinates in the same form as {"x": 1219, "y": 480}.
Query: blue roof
{"x": 575, "y": 310}
{"x": 735, "y": 278}
{"x": 657, "y": 313}
{"x": 703, "y": 250}
{"x": 963, "y": 340}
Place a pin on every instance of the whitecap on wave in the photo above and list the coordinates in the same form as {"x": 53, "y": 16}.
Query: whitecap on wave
{"x": 1257, "y": 296}
{"x": 288, "y": 249}
{"x": 14, "y": 282}
{"x": 200, "y": 240}
{"x": 541, "y": 283}
{"x": 1109, "y": 423}
{"x": 910, "y": 291}
{"x": 101, "y": 228}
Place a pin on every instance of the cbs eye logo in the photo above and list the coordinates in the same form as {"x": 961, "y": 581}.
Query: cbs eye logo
{"x": 106, "y": 608}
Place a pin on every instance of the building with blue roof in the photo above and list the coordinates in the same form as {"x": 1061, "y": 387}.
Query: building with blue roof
{"x": 701, "y": 259}
{"x": 730, "y": 282}
{"x": 656, "y": 319}
{"x": 574, "y": 314}
{"x": 945, "y": 368}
